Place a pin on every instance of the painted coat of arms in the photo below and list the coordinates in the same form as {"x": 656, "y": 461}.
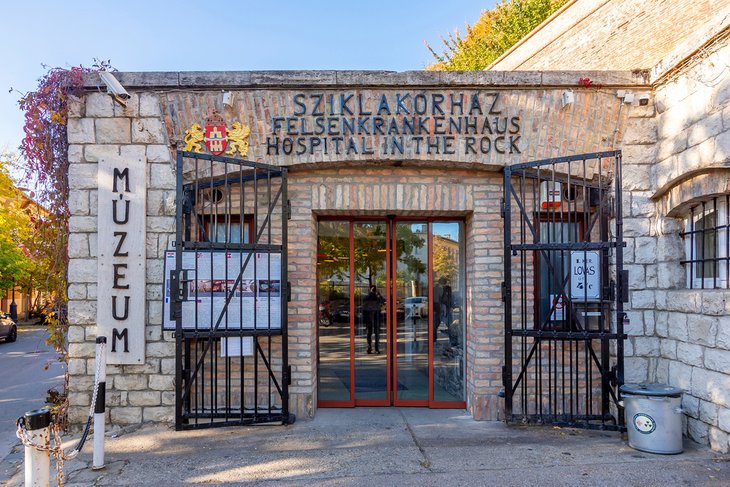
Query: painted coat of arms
{"x": 217, "y": 137}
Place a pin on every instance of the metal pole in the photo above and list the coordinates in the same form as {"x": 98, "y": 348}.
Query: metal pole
{"x": 99, "y": 406}
{"x": 14, "y": 307}
{"x": 37, "y": 462}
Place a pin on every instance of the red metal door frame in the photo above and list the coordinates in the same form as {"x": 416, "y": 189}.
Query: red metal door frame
{"x": 391, "y": 317}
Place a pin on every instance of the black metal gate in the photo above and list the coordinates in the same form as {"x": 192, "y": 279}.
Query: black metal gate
{"x": 228, "y": 292}
{"x": 564, "y": 291}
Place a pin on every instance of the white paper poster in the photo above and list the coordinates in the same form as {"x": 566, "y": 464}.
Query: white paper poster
{"x": 227, "y": 290}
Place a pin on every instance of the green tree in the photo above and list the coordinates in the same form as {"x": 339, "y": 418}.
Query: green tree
{"x": 16, "y": 226}
{"x": 494, "y": 33}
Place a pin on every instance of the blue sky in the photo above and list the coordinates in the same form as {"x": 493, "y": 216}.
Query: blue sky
{"x": 225, "y": 35}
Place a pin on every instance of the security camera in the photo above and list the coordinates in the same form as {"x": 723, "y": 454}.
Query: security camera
{"x": 643, "y": 99}
{"x": 114, "y": 87}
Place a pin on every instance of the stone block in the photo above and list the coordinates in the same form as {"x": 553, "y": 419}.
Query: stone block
{"x": 82, "y": 176}
{"x": 723, "y": 334}
{"x": 708, "y": 127}
{"x": 78, "y": 245}
{"x": 702, "y": 329}
{"x": 78, "y": 203}
{"x": 167, "y": 366}
{"x": 82, "y": 350}
{"x": 636, "y": 177}
{"x": 691, "y": 405}
{"x": 677, "y": 326}
{"x": 76, "y": 334}
{"x": 723, "y": 419}
{"x": 82, "y": 270}
{"x": 714, "y": 301}
{"x": 126, "y": 415}
{"x": 130, "y": 382}
{"x": 161, "y": 349}
{"x": 708, "y": 413}
{"x": 717, "y": 359}
{"x": 129, "y": 109}
{"x": 718, "y": 440}
{"x": 641, "y": 204}
{"x": 158, "y": 153}
{"x": 143, "y": 398}
{"x": 711, "y": 386}
{"x": 162, "y": 382}
{"x": 680, "y": 375}
{"x": 690, "y": 354}
{"x": 645, "y": 252}
{"x": 662, "y": 325}
{"x": 640, "y": 131}
{"x": 636, "y": 369}
{"x": 161, "y": 203}
{"x": 76, "y": 291}
{"x": 81, "y": 131}
{"x": 76, "y": 366}
{"x": 113, "y": 131}
{"x": 149, "y": 105}
{"x": 162, "y": 177}
{"x": 136, "y": 152}
{"x": 160, "y": 414}
{"x": 646, "y": 347}
{"x": 99, "y": 105}
{"x": 168, "y": 398}
{"x": 668, "y": 349}
{"x": 148, "y": 131}
{"x": 642, "y": 299}
{"x": 93, "y": 153}
{"x": 697, "y": 430}
{"x": 75, "y": 153}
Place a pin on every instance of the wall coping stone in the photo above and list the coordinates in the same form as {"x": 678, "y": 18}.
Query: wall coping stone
{"x": 335, "y": 78}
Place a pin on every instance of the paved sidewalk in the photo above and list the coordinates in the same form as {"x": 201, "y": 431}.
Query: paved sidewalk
{"x": 390, "y": 447}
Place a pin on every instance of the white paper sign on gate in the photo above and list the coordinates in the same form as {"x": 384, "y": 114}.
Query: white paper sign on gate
{"x": 585, "y": 274}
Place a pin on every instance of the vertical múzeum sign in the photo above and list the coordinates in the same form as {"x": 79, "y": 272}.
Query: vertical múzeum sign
{"x": 121, "y": 257}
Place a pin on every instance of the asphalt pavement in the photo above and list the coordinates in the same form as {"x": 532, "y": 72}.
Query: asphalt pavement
{"x": 24, "y": 382}
{"x": 388, "y": 447}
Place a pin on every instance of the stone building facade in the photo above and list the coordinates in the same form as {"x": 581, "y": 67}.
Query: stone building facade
{"x": 676, "y": 154}
{"x": 677, "y": 157}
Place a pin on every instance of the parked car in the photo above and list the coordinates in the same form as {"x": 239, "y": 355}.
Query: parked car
{"x": 416, "y": 307}
{"x": 8, "y": 328}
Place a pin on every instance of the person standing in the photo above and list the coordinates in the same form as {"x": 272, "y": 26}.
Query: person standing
{"x": 371, "y": 309}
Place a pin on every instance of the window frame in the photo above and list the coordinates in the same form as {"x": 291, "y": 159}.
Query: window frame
{"x": 692, "y": 262}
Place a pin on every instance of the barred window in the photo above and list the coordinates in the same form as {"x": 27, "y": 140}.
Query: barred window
{"x": 707, "y": 246}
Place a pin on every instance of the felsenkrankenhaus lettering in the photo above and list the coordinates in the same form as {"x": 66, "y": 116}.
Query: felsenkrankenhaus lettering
{"x": 427, "y": 123}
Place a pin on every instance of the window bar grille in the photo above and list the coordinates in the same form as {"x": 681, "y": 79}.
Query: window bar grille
{"x": 706, "y": 233}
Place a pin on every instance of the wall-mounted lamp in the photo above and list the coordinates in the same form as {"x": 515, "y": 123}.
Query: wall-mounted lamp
{"x": 567, "y": 98}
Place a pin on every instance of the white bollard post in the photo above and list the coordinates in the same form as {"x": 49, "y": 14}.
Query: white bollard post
{"x": 99, "y": 407}
{"x": 38, "y": 463}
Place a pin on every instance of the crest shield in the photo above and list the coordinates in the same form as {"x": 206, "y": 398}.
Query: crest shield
{"x": 216, "y": 135}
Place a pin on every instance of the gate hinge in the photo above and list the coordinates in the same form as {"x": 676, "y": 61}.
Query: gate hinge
{"x": 188, "y": 201}
{"x": 288, "y": 291}
{"x": 504, "y": 377}
{"x": 612, "y": 376}
{"x": 288, "y": 209}
{"x": 502, "y": 208}
{"x": 287, "y": 379}
{"x": 504, "y": 292}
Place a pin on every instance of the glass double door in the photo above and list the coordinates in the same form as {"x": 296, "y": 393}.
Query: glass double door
{"x": 389, "y": 335}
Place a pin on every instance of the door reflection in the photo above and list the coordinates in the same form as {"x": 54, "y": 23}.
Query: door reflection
{"x": 448, "y": 306}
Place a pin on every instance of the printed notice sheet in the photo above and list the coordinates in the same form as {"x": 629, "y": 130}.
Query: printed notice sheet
{"x": 226, "y": 290}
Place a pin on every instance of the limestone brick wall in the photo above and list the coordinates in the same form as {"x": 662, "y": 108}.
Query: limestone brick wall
{"x": 98, "y": 128}
{"x": 679, "y": 336}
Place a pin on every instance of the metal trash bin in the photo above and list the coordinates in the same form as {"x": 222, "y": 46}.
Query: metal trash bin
{"x": 653, "y": 415}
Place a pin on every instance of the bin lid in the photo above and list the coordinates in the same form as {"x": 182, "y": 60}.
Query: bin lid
{"x": 646, "y": 389}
